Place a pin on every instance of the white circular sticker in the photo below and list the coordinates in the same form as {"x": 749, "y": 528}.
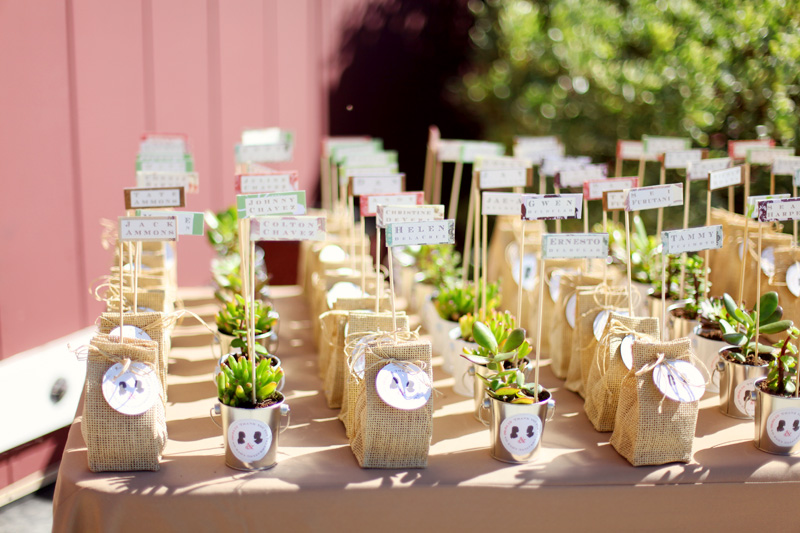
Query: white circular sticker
{"x": 132, "y": 392}
{"x": 626, "y": 350}
{"x": 249, "y": 439}
{"x": 793, "y": 279}
{"x": 569, "y": 310}
{"x": 741, "y": 397}
{"x": 528, "y": 271}
{"x": 332, "y": 254}
{"x": 600, "y": 321}
{"x": 680, "y": 381}
{"x": 783, "y": 426}
{"x": 404, "y": 387}
{"x": 768, "y": 261}
{"x": 343, "y": 289}
{"x": 521, "y": 433}
{"x": 130, "y": 332}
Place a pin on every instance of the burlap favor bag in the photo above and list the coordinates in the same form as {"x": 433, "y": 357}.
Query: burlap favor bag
{"x": 606, "y": 373}
{"x": 550, "y": 303}
{"x": 117, "y": 442}
{"x": 362, "y": 304}
{"x": 591, "y": 303}
{"x": 651, "y": 429}
{"x": 332, "y": 325}
{"x": 384, "y": 436}
{"x": 563, "y": 335}
{"x": 147, "y": 300}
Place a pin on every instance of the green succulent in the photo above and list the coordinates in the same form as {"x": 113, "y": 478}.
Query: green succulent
{"x": 438, "y": 263}
{"x": 235, "y": 381}
{"x": 225, "y": 271}
{"x": 452, "y": 302}
{"x": 223, "y": 230}
{"x": 782, "y": 376}
{"x": 739, "y": 329}
{"x": 232, "y": 318}
{"x": 500, "y": 323}
{"x": 645, "y": 254}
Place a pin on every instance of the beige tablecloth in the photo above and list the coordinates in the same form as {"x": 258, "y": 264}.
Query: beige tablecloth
{"x": 577, "y": 483}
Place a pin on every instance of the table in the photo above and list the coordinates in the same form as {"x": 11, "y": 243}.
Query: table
{"x": 577, "y": 482}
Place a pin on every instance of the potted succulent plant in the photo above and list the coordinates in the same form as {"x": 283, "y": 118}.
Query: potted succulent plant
{"x": 251, "y": 407}
{"x": 232, "y": 323}
{"x": 518, "y": 410}
{"x": 223, "y": 231}
{"x": 437, "y": 265}
{"x": 745, "y": 359}
{"x": 461, "y": 341}
{"x": 227, "y": 280}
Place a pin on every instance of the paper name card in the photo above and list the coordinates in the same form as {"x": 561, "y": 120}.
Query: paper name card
{"x": 575, "y": 177}
{"x": 766, "y": 156}
{"x": 392, "y": 214}
{"x": 164, "y": 144}
{"x": 537, "y": 155}
{"x": 654, "y": 197}
{"x": 345, "y": 173}
{"x": 161, "y": 228}
{"x": 575, "y": 246}
{"x": 375, "y": 159}
{"x": 633, "y": 151}
{"x": 699, "y": 170}
{"x": 267, "y": 182}
{"x": 365, "y": 185}
{"x": 784, "y": 209}
{"x": 752, "y": 201}
{"x": 429, "y": 232}
{"x": 682, "y": 158}
{"x": 551, "y": 206}
{"x": 660, "y": 145}
{"x": 330, "y": 143}
{"x": 470, "y": 150}
{"x": 540, "y": 142}
{"x": 551, "y": 166}
{"x": 615, "y": 200}
{"x": 501, "y": 163}
{"x": 502, "y": 178}
{"x": 738, "y": 149}
{"x": 188, "y": 223}
{"x": 681, "y": 241}
{"x": 271, "y": 204}
{"x": 266, "y": 136}
{"x": 154, "y": 197}
{"x": 786, "y": 166}
{"x": 264, "y": 153}
{"x": 594, "y": 189}
{"x": 796, "y": 179}
{"x": 164, "y": 163}
{"x": 729, "y": 177}
{"x": 286, "y": 228}
{"x": 501, "y": 203}
{"x": 188, "y": 180}
{"x": 368, "y": 203}
{"x": 342, "y": 151}
{"x": 449, "y": 150}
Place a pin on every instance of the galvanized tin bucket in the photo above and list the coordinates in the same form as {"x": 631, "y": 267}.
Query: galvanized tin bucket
{"x": 517, "y": 429}
{"x": 777, "y": 423}
{"x": 736, "y": 381}
{"x": 463, "y": 385}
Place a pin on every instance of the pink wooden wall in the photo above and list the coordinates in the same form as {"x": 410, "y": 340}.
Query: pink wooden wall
{"x": 80, "y": 80}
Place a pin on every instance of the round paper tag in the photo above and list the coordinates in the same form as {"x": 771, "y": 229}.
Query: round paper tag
{"x": 145, "y": 310}
{"x": 741, "y": 251}
{"x": 343, "y": 289}
{"x": 626, "y": 350}
{"x": 521, "y": 433}
{"x": 528, "y": 271}
{"x": 512, "y": 253}
{"x": 600, "y": 321}
{"x": 132, "y": 392}
{"x": 768, "y": 261}
{"x": 783, "y": 426}
{"x": 332, "y": 254}
{"x": 130, "y": 332}
{"x": 249, "y": 439}
{"x": 680, "y": 381}
{"x": 741, "y": 397}
{"x": 404, "y": 387}
{"x": 569, "y": 310}
{"x": 793, "y": 279}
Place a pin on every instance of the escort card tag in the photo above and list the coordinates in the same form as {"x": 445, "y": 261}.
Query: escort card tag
{"x": 263, "y": 153}
{"x": 369, "y": 203}
{"x": 626, "y": 350}
{"x": 679, "y": 381}
{"x": 729, "y": 177}
{"x": 501, "y": 163}
{"x": 266, "y": 136}
{"x": 540, "y": 142}
{"x": 154, "y": 197}
{"x": 403, "y": 386}
{"x": 784, "y": 209}
{"x": 538, "y": 155}
{"x": 364, "y": 185}
{"x": 449, "y": 150}
{"x": 551, "y": 206}
{"x": 271, "y": 204}
{"x": 766, "y": 156}
{"x": 287, "y": 228}
{"x": 654, "y": 197}
{"x": 594, "y": 189}
{"x": 132, "y": 392}
{"x": 188, "y": 180}
{"x": 391, "y": 214}
{"x": 575, "y": 246}
{"x": 601, "y": 319}
{"x": 340, "y": 150}
{"x": 633, "y": 151}
{"x": 148, "y": 228}
{"x": 346, "y": 172}
{"x": 551, "y": 166}
{"x": 499, "y": 179}
{"x": 678, "y": 241}
{"x": 430, "y": 232}
{"x": 164, "y": 163}
{"x": 501, "y": 203}
{"x": 752, "y": 202}
{"x": 472, "y": 149}
{"x": 615, "y": 200}
{"x": 528, "y": 271}
{"x": 575, "y": 177}
{"x": 188, "y": 223}
{"x": 569, "y": 310}
{"x": 786, "y": 166}
{"x": 163, "y": 144}
{"x": 249, "y": 439}
{"x": 699, "y": 170}
{"x": 660, "y": 145}
{"x": 271, "y": 182}
{"x": 738, "y": 149}
{"x": 682, "y": 158}
{"x": 376, "y": 159}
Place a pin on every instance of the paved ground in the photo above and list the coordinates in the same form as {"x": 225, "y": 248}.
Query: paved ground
{"x": 31, "y": 514}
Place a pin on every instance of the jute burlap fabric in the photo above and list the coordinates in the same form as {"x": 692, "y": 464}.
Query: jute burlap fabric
{"x": 548, "y": 305}
{"x": 386, "y": 437}
{"x": 332, "y": 326}
{"x": 607, "y": 371}
{"x": 365, "y": 304}
{"x": 322, "y": 283}
{"x": 158, "y": 300}
{"x": 590, "y": 303}
{"x": 156, "y": 278}
{"x": 116, "y": 442}
{"x": 649, "y": 428}
{"x": 563, "y": 337}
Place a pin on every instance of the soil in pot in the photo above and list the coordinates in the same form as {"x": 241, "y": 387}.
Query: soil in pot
{"x": 710, "y": 330}
{"x": 752, "y": 359}
{"x": 684, "y": 313}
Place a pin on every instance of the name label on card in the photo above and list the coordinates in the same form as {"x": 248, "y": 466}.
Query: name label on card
{"x": 501, "y": 203}
{"x": 575, "y": 246}
{"x": 271, "y": 204}
{"x": 729, "y": 177}
{"x": 786, "y": 166}
{"x": 159, "y": 228}
{"x": 271, "y": 182}
{"x": 738, "y": 149}
{"x": 473, "y": 149}
{"x": 552, "y": 166}
{"x": 785, "y": 209}
{"x": 660, "y": 145}
{"x": 363, "y": 185}
{"x": 682, "y": 158}
{"x": 392, "y": 214}
{"x": 429, "y": 232}
{"x": 449, "y": 150}
{"x": 264, "y": 153}
{"x": 766, "y": 156}
{"x": 163, "y": 144}
{"x": 164, "y": 163}
{"x": 502, "y": 178}
{"x": 615, "y": 200}
{"x": 633, "y": 151}
{"x": 752, "y": 201}
{"x": 551, "y": 206}
{"x": 594, "y": 189}
{"x": 699, "y": 170}
{"x": 188, "y": 180}
{"x": 346, "y": 172}
{"x": 374, "y": 159}
{"x": 368, "y": 203}
{"x": 340, "y": 150}
{"x": 537, "y": 141}
{"x": 655, "y": 197}
{"x": 502, "y": 163}
{"x": 287, "y": 228}
{"x": 691, "y": 240}
{"x": 538, "y": 155}
{"x": 188, "y": 223}
{"x": 154, "y": 197}
{"x": 575, "y": 177}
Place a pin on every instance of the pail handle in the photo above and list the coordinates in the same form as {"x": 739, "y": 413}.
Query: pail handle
{"x": 287, "y": 412}
{"x": 484, "y": 407}
{"x": 551, "y": 410}
{"x": 468, "y": 372}
{"x": 214, "y": 411}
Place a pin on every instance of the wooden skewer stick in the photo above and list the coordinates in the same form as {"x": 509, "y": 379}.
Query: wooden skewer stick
{"x": 628, "y": 260}
{"x": 484, "y": 265}
{"x": 378, "y": 279}
{"x": 468, "y": 237}
{"x": 731, "y": 199}
{"x": 662, "y": 180}
{"x": 758, "y": 287}
{"x": 476, "y": 251}
{"x": 437, "y": 184}
{"x": 558, "y": 221}
{"x": 364, "y": 261}
{"x": 685, "y": 226}
{"x": 351, "y": 222}
{"x": 121, "y": 294}
{"x": 252, "y": 295}
{"x": 771, "y": 182}
{"x": 519, "y": 288}
{"x": 664, "y": 289}
{"x": 456, "y": 190}
{"x": 745, "y": 250}
{"x": 538, "y": 322}
{"x": 391, "y": 292}
{"x": 706, "y": 259}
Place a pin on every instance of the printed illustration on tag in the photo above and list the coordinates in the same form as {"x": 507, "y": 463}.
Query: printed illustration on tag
{"x": 249, "y": 439}
{"x": 521, "y": 433}
{"x": 600, "y": 321}
{"x": 132, "y": 392}
{"x": 130, "y": 332}
{"x": 569, "y": 310}
{"x": 793, "y": 279}
{"x": 626, "y": 350}
{"x": 741, "y": 397}
{"x": 528, "y": 271}
{"x": 404, "y": 386}
{"x": 680, "y": 381}
{"x": 783, "y": 426}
